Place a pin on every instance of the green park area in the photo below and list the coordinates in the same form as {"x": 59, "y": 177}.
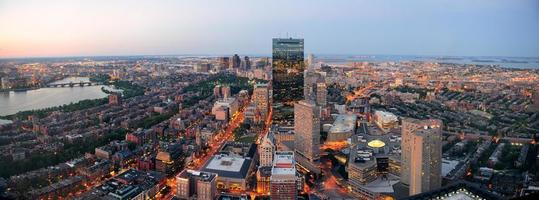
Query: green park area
{"x": 69, "y": 151}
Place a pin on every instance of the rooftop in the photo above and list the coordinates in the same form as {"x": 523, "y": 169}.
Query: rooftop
{"x": 383, "y": 184}
{"x": 126, "y": 185}
{"x": 386, "y": 116}
{"x": 204, "y": 176}
{"x": 265, "y": 171}
{"x": 246, "y": 150}
{"x": 284, "y": 163}
{"x": 344, "y": 123}
{"x": 225, "y": 101}
{"x": 376, "y": 144}
{"x": 228, "y": 166}
{"x": 258, "y": 85}
{"x": 458, "y": 190}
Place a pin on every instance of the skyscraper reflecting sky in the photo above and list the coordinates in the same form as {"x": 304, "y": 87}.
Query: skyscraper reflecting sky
{"x": 287, "y": 83}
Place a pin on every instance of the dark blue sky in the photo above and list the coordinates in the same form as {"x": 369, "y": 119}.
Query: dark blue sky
{"x": 405, "y": 27}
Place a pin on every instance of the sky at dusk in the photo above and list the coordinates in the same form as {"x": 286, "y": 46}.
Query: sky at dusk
{"x": 223, "y": 27}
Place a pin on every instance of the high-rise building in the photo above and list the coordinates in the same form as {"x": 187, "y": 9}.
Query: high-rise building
{"x": 202, "y": 184}
{"x": 266, "y": 149}
{"x": 247, "y": 61}
{"x": 261, "y": 99}
{"x": 236, "y": 61}
{"x": 287, "y": 71}
{"x": 224, "y": 63}
{"x": 315, "y": 87}
{"x": 310, "y": 61}
{"x": 307, "y": 129}
{"x": 321, "y": 94}
{"x": 262, "y": 62}
{"x": 421, "y": 156}
{"x": 283, "y": 180}
{"x": 202, "y": 67}
{"x": 252, "y": 115}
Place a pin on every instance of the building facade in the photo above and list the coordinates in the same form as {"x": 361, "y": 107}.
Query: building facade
{"x": 307, "y": 129}
{"x": 321, "y": 94}
{"x": 224, "y": 63}
{"x": 236, "y": 61}
{"x": 247, "y": 63}
{"x": 421, "y": 154}
{"x": 261, "y": 99}
{"x": 266, "y": 149}
{"x": 314, "y": 87}
{"x": 263, "y": 176}
{"x": 191, "y": 184}
{"x": 287, "y": 71}
{"x": 344, "y": 126}
{"x": 283, "y": 180}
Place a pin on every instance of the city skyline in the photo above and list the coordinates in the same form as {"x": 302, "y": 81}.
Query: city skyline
{"x": 220, "y": 127}
{"x": 446, "y": 28}
{"x": 175, "y": 106}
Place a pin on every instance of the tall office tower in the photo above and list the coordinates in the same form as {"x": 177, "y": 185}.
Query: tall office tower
{"x": 247, "y": 62}
{"x": 287, "y": 72}
{"x": 321, "y": 94}
{"x": 307, "y": 129}
{"x": 310, "y": 78}
{"x": 236, "y": 61}
{"x": 261, "y": 99}
{"x": 310, "y": 61}
{"x": 266, "y": 149}
{"x": 315, "y": 87}
{"x": 224, "y": 63}
{"x": 421, "y": 157}
{"x": 283, "y": 181}
{"x": 262, "y": 62}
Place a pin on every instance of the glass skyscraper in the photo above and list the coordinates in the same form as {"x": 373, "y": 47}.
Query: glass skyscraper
{"x": 288, "y": 66}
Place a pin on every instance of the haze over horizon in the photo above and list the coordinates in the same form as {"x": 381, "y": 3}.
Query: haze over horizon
{"x": 418, "y": 27}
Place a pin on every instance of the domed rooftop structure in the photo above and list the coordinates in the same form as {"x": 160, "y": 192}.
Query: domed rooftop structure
{"x": 376, "y": 144}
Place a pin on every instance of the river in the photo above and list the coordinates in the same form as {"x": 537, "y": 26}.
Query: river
{"x": 13, "y": 102}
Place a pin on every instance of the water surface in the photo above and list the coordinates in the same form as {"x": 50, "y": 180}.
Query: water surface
{"x": 13, "y": 102}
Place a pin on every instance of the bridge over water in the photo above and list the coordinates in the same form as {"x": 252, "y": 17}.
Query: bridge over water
{"x": 73, "y": 84}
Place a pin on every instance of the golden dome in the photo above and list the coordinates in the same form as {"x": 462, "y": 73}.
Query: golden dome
{"x": 376, "y": 144}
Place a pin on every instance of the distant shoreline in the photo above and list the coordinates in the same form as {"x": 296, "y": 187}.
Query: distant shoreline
{"x": 19, "y": 89}
{"x": 513, "y": 62}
